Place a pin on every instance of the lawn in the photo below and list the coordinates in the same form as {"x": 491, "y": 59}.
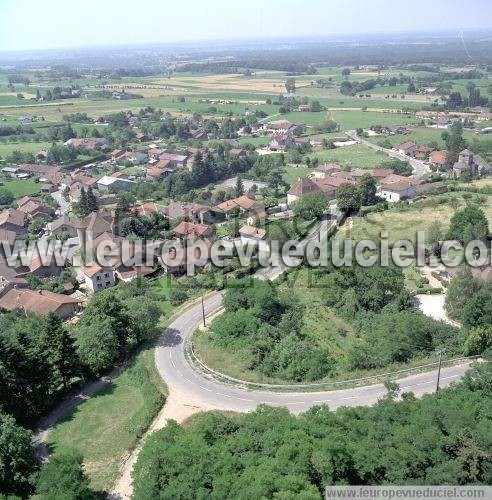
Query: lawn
{"x": 7, "y": 148}
{"x": 21, "y": 187}
{"x": 356, "y": 155}
{"x": 422, "y": 135}
{"x": 108, "y": 425}
{"x": 291, "y": 174}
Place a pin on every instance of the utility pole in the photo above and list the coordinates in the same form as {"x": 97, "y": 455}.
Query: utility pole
{"x": 203, "y": 313}
{"x": 439, "y": 369}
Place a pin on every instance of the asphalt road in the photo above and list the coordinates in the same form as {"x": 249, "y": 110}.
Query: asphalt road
{"x": 181, "y": 376}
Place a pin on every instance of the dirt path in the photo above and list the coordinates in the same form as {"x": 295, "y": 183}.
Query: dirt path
{"x": 174, "y": 409}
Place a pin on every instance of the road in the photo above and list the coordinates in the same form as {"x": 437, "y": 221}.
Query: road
{"x": 419, "y": 167}
{"x": 64, "y": 206}
{"x": 273, "y": 272}
{"x": 182, "y": 377}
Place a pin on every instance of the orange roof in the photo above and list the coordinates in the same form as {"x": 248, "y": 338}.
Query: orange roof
{"x": 37, "y": 301}
{"x": 185, "y": 228}
{"x": 91, "y": 269}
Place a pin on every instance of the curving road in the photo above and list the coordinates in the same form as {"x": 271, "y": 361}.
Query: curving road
{"x": 182, "y": 377}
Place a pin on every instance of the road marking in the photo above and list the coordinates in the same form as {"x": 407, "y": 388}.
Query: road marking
{"x": 225, "y": 395}
{"x": 298, "y": 403}
{"x": 417, "y": 385}
{"x": 450, "y": 376}
{"x": 171, "y": 358}
{"x": 205, "y": 389}
{"x": 248, "y": 400}
{"x": 351, "y": 397}
{"x": 322, "y": 401}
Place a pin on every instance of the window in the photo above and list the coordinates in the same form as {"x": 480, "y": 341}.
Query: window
{"x": 98, "y": 278}
{"x": 106, "y": 275}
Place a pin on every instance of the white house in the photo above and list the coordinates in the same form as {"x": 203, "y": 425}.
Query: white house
{"x": 97, "y": 278}
{"x": 254, "y": 236}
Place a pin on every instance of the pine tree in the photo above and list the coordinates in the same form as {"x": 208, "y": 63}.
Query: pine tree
{"x": 92, "y": 203}
{"x": 59, "y": 348}
{"x": 82, "y": 206}
{"x": 239, "y": 186}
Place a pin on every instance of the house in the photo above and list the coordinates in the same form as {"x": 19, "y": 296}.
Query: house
{"x": 244, "y": 205}
{"x": 304, "y": 107}
{"x": 88, "y": 143}
{"x": 67, "y": 226}
{"x": 141, "y": 137}
{"x": 44, "y": 268}
{"x": 40, "y": 302}
{"x": 108, "y": 182}
{"x": 116, "y": 154}
{"x": 470, "y": 164}
{"x": 255, "y": 236}
{"x": 280, "y": 143}
{"x": 443, "y": 122}
{"x": 148, "y": 208}
{"x": 422, "y": 152}
{"x": 381, "y": 173}
{"x": 96, "y": 277}
{"x": 325, "y": 169}
{"x": 175, "y": 160}
{"x": 34, "y": 207}
{"x": 396, "y": 187}
{"x": 284, "y": 127}
{"x": 13, "y": 220}
{"x": 407, "y": 148}
{"x": 438, "y": 158}
{"x": 134, "y": 156}
{"x": 302, "y": 187}
{"x": 185, "y": 229}
{"x": 180, "y": 210}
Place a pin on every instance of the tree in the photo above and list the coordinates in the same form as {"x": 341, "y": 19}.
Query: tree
{"x": 479, "y": 340}
{"x": 63, "y": 477}
{"x": 6, "y": 196}
{"x": 348, "y": 198}
{"x": 367, "y": 190}
{"x": 434, "y": 235}
{"x": 315, "y": 106}
{"x": 468, "y": 224}
{"x": 239, "y": 189}
{"x": 290, "y": 85}
{"x": 17, "y": 461}
{"x": 92, "y": 203}
{"x": 311, "y": 206}
{"x": 345, "y": 71}
{"x": 411, "y": 88}
{"x": 478, "y": 310}
{"x": 60, "y": 349}
{"x": 461, "y": 289}
{"x": 82, "y": 204}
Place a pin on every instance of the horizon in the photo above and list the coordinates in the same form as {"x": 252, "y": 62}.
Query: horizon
{"x": 109, "y": 26}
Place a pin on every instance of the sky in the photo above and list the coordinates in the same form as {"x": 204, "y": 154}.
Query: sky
{"x": 44, "y": 24}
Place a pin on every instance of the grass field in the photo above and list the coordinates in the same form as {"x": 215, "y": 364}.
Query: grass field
{"x": 292, "y": 174}
{"x": 402, "y": 222}
{"x": 107, "y": 426}
{"x": 8, "y": 148}
{"x": 356, "y": 155}
{"x": 21, "y": 187}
